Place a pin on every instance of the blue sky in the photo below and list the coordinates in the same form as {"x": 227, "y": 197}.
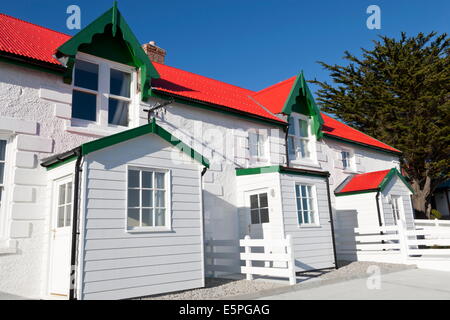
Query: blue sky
{"x": 250, "y": 43}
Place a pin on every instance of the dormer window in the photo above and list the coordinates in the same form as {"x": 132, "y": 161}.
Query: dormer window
{"x": 346, "y": 160}
{"x": 102, "y": 92}
{"x": 299, "y": 138}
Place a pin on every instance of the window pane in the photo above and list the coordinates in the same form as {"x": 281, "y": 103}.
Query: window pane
{"x": 147, "y": 217}
{"x": 68, "y": 215}
{"x": 254, "y": 215}
{"x": 300, "y": 217}
{"x": 147, "y": 179}
{"x": 60, "y": 222}
{"x": 2, "y": 150}
{"x": 302, "y": 148}
{"x": 263, "y": 200}
{"x": 147, "y": 198}
{"x": 303, "y": 127}
{"x": 309, "y": 189}
{"x": 1, "y": 191}
{"x": 118, "y": 112}
{"x": 299, "y": 204}
{"x": 303, "y": 191}
{"x": 84, "y": 106}
{"x": 120, "y": 83}
{"x": 133, "y": 178}
{"x": 133, "y": 198}
{"x": 254, "y": 201}
{"x": 291, "y": 150}
{"x": 62, "y": 194}
{"x": 133, "y": 218}
{"x": 69, "y": 193}
{"x": 2, "y": 171}
{"x": 305, "y": 217}
{"x": 160, "y": 219}
{"x": 86, "y": 75}
{"x": 159, "y": 180}
{"x": 305, "y": 204}
{"x": 264, "y": 215}
{"x": 260, "y": 145}
{"x": 291, "y": 126}
{"x": 160, "y": 203}
{"x": 311, "y": 217}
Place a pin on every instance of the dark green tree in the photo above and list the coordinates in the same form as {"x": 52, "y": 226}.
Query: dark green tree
{"x": 398, "y": 92}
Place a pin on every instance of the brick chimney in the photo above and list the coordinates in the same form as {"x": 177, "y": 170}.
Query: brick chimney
{"x": 154, "y": 52}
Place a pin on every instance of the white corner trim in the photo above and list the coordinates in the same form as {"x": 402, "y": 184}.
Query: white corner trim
{"x": 8, "y": 246}
{"x": 56, "y": 95}
{"x": 94, "y": 132}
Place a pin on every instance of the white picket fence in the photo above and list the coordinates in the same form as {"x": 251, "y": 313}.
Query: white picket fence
{"x": 427, "y": 244}
{"x": 256, "y": 256}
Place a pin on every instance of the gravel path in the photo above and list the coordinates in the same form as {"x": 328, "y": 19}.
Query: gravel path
{"x": 218, "y": 288}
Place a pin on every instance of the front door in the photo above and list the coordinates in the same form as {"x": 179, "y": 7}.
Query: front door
{"x": 258, "y": 214}
{"x": 60, "y": 240}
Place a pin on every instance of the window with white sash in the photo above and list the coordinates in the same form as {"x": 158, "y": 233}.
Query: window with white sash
{"x": 300, "y": 144}
{"x": 306, "y": 205}
{"x": 257, "y": 145}
{"x": 102, "y": 92}
{"x": 148, "y": 198}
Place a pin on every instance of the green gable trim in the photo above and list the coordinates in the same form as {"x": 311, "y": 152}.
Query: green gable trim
{"x": 329, "y": 136}
{"x": 152, "y": 127}
{"x": 217, "y": 108}
{"x": 301, "y": 100}
{"x": 350, "y": 193}
{"x": 123, "y": 136}
{"x": 392, "y": 173}
{"x": 110, "y": 24}
{"x": 280, "y": 169}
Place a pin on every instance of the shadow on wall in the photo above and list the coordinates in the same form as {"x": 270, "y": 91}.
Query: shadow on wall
{"x": 344, "y": 222}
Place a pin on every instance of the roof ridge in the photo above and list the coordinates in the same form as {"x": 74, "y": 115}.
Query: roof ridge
{"x": 34, "y": 24}
{"x": 199, "y": 75}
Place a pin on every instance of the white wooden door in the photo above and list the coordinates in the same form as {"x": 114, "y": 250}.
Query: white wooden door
{"x": 61, "y": 236}
{"x": 258, "y": 204}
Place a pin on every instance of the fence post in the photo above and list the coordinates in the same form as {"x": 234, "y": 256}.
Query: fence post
{"x": 403, "y": 239}
{"x": 248, "y": 262}
{"x": 291, "y": 263}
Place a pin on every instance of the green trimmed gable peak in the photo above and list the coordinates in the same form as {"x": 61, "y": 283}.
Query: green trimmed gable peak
{"x": 109, "y": 37}
{"x": 301, "y": 100}
{"x": 108, "y": 141}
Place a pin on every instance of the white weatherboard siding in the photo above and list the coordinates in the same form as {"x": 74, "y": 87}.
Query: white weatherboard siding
{"x": 118, "y": 264}
{"x": 396, "y": 187}
{"x": 313, "y": 245}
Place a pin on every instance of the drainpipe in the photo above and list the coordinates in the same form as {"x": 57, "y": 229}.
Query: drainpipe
{"x": 377, "y": 198}
{"x": 331, "y": 222}
{"x": 75, "y": 233}
{"x": 286, "y": 145}
{"x": 203, "y": 219}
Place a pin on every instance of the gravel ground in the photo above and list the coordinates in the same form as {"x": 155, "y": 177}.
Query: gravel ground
{"x": 217, "y": 288}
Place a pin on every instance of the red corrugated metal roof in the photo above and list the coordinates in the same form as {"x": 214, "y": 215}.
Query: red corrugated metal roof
{"x": 200, "y": 88}
{"x": 364, "y": 181}
{"x": 25, "y": 39}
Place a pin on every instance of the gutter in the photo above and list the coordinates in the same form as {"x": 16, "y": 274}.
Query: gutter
{"x": 331, "y": 222}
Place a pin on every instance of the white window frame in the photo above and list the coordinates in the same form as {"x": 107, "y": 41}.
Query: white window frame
{"x": 351, "y": 160}
{"x": 310, "y": 141}
{"x": 256, "y": 140}
{"x": 4, "y": 232}
{"x": 168, "y": 200}
{"x": 56, "y": 184}
{"x": 103, "y": 95}
{"x": 315, "y": 208}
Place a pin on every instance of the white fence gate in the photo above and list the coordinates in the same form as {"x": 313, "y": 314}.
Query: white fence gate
{"x": 427, "y": 245}
{"x": 231, "y": 256}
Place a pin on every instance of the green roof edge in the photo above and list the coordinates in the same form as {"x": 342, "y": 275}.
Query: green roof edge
{"x": 280, "y": 169}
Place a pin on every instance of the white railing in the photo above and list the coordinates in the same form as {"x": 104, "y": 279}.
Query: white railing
{"x": 431, "y": 223}
{"x": 396, "y": 244}
{"x": 286, "y": 257}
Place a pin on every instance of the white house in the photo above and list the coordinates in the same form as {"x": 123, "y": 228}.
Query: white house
{"x": 116, "y": 168}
